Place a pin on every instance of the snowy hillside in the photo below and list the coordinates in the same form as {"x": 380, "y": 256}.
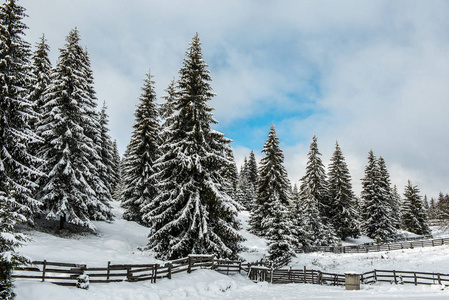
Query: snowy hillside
{"x": 118, "y": 242}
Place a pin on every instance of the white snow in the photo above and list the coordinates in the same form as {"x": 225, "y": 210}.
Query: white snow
{"x": 118, "y": 241}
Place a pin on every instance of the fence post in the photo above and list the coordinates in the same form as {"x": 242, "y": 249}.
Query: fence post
{"x": 43, "y": 270}
{"x": 439, "y": 279}
{"x": 240, "y": 266}
{"x": 433, "y": 244}
{"x": 416, "y": 282}
{"x": 128, "y": 274}
{"x": 189, "y": 268}
{"x": 155, "y": 272}
{"x": 108, "y": 271}
{"x": 375, "y": 275}
{"x": 395, "y": 280}
{"x": 213, "y": 262}
{"x": 169, "y": 265}
{"x": 305, "y": 270}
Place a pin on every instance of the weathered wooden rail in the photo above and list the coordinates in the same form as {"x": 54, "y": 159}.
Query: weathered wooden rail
{"x": 67, "y": 273}
{"x": 377, "y": 248}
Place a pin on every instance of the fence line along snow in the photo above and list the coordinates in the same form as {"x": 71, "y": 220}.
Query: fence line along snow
{"x": 377, "y": 247}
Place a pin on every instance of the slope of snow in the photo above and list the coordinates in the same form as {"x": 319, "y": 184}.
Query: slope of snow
{"x": 118, "y": 242}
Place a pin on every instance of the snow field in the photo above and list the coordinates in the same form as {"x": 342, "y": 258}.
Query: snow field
{"x": 118, "y": 242}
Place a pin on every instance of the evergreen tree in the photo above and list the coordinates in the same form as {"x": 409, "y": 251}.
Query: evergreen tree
{"x": 246, "y": 193}
{"x": 193, "y": 213}
{"x": 117, "y": 169}
{"x": 10, "y": 240}
{"x": 269, "y": 215}
{"x": 389, "y": 193}
{"x": 72, "y": 189}
{"x": 312, "y": 209}
{"x": 414, "y": 218}
{"x": 40, "y": 71}
{"x": 376, "y": 211}
{"x": 143, "y": 150}
{"x": 17, "y": 164}
{"x": 107, "y": 169}
{"x": 396, "y": 207}
{"x": 343, "y": 213}
{"x": 425, "y": 203}
{"x": 252, "y": 170}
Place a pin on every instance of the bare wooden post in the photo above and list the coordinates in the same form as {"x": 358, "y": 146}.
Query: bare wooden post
{"x": 189, "y": 268}
{"x": 43, "y": 270}
{"x": 305, "y": 274}
{"x": 240, "y": 266}
{"x": 395, "y": 280}
{"x": 169, "y": 266}
{"x": 213, "y": 262}
{"x": 375, "y": 275}
{"x": 108, "y": 271}
{"x": 439, "y": 279}
{"x": 416, "y": 280}
{"x": 155, "y": 272}
{"x": 433, "y": 244}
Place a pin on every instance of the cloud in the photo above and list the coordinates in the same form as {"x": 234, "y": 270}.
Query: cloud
{"x": 370, "y": 74}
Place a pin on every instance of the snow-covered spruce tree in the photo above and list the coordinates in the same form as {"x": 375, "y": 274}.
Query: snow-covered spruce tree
{"x": 73, "y": 189}
{"x": 41, "y": 69}
{"x": 246, "y": 193}
{"x": 252, "y": 170}
{"x": 414, "y": 217}
{"x": 273, "y": 185}
{"x": 376, "y": 211}
{"x": 269, "y": 216}
{"x": 230, "y": 173}
{"x": 343, "y": 213}
{"x": 311, "y": 225}
{"x": 17, "y": 164}
{"x": 386, "y": 187}
{"x": 107, "y": 170}
{"x": 396, "y": 207}
{"x": 10, "y": 240}
{"x": 117, "y": 169}
{"x": 143, "y": 150}
{"x": 193, "y": 213}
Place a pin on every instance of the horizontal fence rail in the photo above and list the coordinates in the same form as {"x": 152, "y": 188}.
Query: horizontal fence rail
{"x": 365, "y": 248}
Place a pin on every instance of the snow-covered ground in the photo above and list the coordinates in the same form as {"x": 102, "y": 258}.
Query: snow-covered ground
{"x": 118, "y": 242}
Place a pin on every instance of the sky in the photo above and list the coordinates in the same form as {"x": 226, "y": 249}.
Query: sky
{"x": 369, "y": 74}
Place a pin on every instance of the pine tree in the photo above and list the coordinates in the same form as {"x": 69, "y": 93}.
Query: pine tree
{"x": 73, "y": 189}
{"x": 396, "y": 207}
{"x": 117, "y": 170}
{"x": 10, "y": 240}
{"x": 107, "y": 169}
{"x": 312, "y": 209}
{"x": 40, "y": 71}
{"x": 414, "y": 218}
{"x": 388, "y": 192}
{"x": 376, "y": 211}
{"x": 269, "y": 216}
{"x": 246, "y": 193}
{"x": 252, "y": 170}
{"x": 193, "y": 213}
{"x": 17, "y": 164}
{"x": 143, "y": 150}
{"x": 343, "y": 214}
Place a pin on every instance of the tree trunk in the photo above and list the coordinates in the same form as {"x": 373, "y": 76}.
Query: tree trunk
{"x": 61, "y": 221}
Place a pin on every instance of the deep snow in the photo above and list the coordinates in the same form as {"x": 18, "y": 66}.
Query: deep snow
{"x": 118, "y": 242}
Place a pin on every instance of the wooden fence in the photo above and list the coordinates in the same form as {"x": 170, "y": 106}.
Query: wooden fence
{"x": 290, "y": 275}
{"x": 377, "y": 248}
{"x": 67, "y": 273}
{"x": 404, "y": 277}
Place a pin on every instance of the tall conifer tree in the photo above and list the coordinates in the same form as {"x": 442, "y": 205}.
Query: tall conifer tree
{"x": 17, "y": 164}
{"x": 143, "y": 150}
{"x": 193, "y": 213}
{"x": 312, "y": 211}
{"x": 73, "y": 189}
{"x": 376, "y": 209}
{"x": 414, "y": 217}
{"x": 269, "y": 216}
{"x": 343, "y": 213}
